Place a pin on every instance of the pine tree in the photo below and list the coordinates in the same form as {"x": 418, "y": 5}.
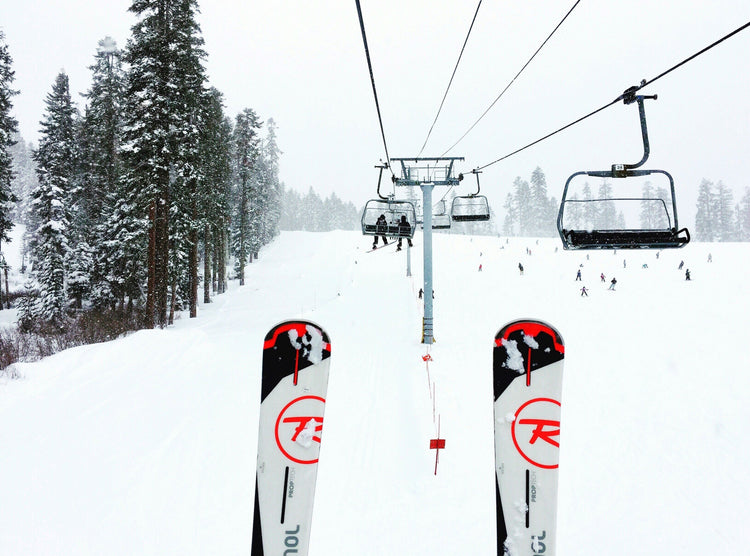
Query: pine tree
{"x": 543, "y": 210}
{"x": 8, "y": 128}
{"x": 26, "y": 310}
{"x": 590, "y": 209}
{"x": 704, "y": 216}
{"x": 246, "y": 144}
{"x": 724, "y": 212}
{"x": 651, "y": 213}
{"x": 523, "y": 206}
{"x": 55, "y": 160}
{"x": 214, "y": 191}
{"x": 160, "y": 142}
{"x": 511, "y": 216}
{"x": 291, "y": 209}
{"x": 24, "y": 180}
{"x": 607, "y": 213}
{"x": 101, "y": 132}
{"x": 743, "y": 217}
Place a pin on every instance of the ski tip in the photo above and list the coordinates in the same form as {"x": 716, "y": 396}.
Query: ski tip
{"x": 533, "y": 328}
{"x": 300, "y": 327}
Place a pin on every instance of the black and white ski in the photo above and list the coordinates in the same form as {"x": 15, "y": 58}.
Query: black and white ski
{"x": 527, "y": 375}
{"x": 296, "y": 358}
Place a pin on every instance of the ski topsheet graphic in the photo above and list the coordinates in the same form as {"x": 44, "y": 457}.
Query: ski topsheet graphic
{"x": 527, "y": 374}
{"x": 296, "y": 357}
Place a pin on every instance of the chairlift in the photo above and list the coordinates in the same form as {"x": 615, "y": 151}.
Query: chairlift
{"x": 470, "y": 208}
{"x": 669, "y": 235}
{"x": 392, "y": 210}
{"x": 441, "y": 220}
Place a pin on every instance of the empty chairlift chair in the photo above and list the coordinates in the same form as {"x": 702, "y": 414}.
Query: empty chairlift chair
{"x": 662, "y": 230}
{"x": 471, "y": 208}
{"x": 441, "y": 220}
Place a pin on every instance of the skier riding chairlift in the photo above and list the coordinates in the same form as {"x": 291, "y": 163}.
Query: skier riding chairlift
{"x": 381, "y": 226}
{"x": 404, "y": 230}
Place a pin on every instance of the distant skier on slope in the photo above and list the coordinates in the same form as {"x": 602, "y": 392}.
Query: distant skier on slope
{"x": 520, "y": 268}
{"x": 687, "y": 274}
{"x": 584, "y": 292}
{"x": 612, "y": 283}
{"x": 603, "y": 278}
{"x": 381, "y": 227}
{"x": 578, "y": 275}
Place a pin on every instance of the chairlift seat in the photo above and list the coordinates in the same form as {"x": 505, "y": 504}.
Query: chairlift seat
{"x": 441, "y": 221}
{"x": 632, "y": 238}
{"x": 470, "y": 208}
{"x": 625, "y": 239}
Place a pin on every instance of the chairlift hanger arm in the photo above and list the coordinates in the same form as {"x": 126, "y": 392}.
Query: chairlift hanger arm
{"x": 629, "y": 97}
{"x": 476, "y": 172}
{"x": 382, "y": 166}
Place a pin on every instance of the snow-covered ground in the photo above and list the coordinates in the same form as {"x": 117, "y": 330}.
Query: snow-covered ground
{"x": 146, "y": 445}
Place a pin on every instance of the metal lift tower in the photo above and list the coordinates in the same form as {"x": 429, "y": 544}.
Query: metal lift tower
{"x": 427, "y": 173}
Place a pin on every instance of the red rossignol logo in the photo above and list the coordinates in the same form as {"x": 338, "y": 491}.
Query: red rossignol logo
{"x": 536, "y": 432}
{"x": 298, "y": 429}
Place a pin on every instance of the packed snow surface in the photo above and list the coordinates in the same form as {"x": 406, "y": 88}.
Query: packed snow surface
{"x": 146, "y": 445}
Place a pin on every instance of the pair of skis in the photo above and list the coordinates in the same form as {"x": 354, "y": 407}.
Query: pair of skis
{"x": 527, "y": 382}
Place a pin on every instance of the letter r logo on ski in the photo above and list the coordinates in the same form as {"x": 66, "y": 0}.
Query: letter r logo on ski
{"x": 303, "y": 425}
{"x": 541, "y": 432}
{"x": 298, "y": 429}
{"x": 536, "y": 431}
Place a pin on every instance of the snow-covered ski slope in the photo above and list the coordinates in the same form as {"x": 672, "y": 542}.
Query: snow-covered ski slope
{"x": 147, "y": 445}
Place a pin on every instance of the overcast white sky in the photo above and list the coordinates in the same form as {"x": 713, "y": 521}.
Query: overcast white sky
{"x": 303, "y": 64}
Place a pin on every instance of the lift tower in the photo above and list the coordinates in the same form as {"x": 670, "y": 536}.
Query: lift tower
{"x": 427, "y": 173}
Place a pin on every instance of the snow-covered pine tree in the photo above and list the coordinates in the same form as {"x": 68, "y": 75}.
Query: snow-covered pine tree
{"x": 743, "y": 216}
{"x": 26, "y": 309}
{"x": 214, "y": 192}
{"x": 523, "y": 206}
{"x": 313, "y": 211}
{"x": 607, "y": 213}
{"x": 189, "y": 88}
{"x": 590, "y": 210}
{"x": 24, "y": 180}
{"x": 271, "y": 155}
{"x": 55, "y": 160}
{"x": 101, "y": 131}
{"x": 8, "y": 129}
{"x": 247, "y": 151}
{"x": 160, "y": 138}
{"x": 573, "y": 213}
{"x": 705, "y": 229}
{"x": 724, "y": 212}
{"x": 291, "y": 207}
{"x": 650, "y": 214}
{"x": 511, "y": 215}
{"x": 544, "y": 220}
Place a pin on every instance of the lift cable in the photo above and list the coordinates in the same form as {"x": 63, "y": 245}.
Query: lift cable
{"x": 512, "y": 80}
{"x": 372, "y": 80}
{"x": 627, "y": 94}
{"x": 451, "y": 80}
